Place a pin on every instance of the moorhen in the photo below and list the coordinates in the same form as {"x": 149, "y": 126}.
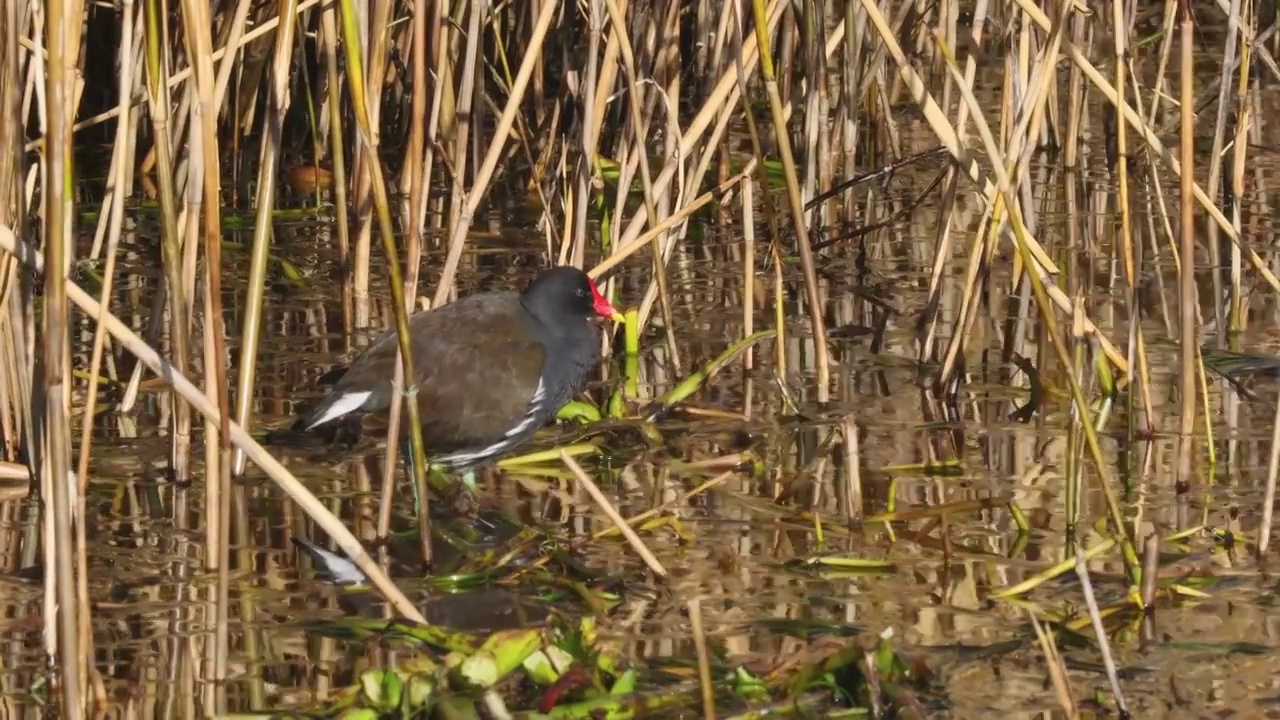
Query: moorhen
{"x": 491, "y": 368}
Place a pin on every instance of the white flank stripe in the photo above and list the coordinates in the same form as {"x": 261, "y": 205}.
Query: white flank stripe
{"x": 340, "y": 407}
{"x": 530, "y": 418}
{"x": 467, "y": 457}
{"x": 531, "y": 415}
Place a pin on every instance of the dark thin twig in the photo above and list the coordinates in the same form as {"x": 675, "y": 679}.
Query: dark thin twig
{"x": 887, "y": 169}
{"x": 896, "y": 217}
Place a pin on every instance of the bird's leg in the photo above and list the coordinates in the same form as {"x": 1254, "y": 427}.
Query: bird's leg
{"x": 407, "y": 453}
{"x": 468, "y": 492}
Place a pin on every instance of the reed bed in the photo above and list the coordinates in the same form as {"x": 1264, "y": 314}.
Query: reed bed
{"x": 145, "y": 133}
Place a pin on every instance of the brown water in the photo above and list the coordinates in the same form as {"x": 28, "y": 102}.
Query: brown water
{"x": 1207, "y": 657}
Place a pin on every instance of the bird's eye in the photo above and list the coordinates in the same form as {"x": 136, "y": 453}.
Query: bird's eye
{"x": 582, "y": 293}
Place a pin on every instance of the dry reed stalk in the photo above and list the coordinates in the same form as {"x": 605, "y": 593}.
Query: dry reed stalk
{"x": 689, "y": 182}
{"x": 748, "y": 282}
{"x": 418, "y": 173}
{"x": 13, "y": 412}
{"x": 122, "y": 154}
{"x": 847, "y": 104}
{"x": 1017, "y": 154}
{"x": 373, "y": 171}
{"x": 337, "y": 153}
{"x": 668, "y": 73}
{"x": 278, "y": 99}
{"x": 852, "y": 468}
{"x": 779, "y": 319}
{"x": 50, "y": 397}
{"x": 182, "y": 655}
{"x": 172, "y": 257}
{"x": 366, "y": 26}
{"x": 818, "y": 174}
{"x": 1237, "y": 316}
{"x": 235, "y": 31}
{"x": 1214, "y": 181}
{"x": 122, "y": 157}
{"x": 771, "y": 216}
{"x": 943, "y": 247}
{"x": 177, "y": 78}
{"x": 678, "y": 501}
{"x": 1187, "y": 296}
{"x": 461, "y": 135}
{"x": 950, "y": 139}
{"x": 14, "y": 352}
{"x": 725, "y": 95}
{"x": 204, "y": 193}
{"x": 1269, "y": 496}
{"x": 783, "y": 140}
{"x": 590, "y": 129}
{"x": 1136, "y": 340}
{"x": 438, "y": 33}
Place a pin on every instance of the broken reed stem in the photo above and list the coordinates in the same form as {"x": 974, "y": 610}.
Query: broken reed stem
{"x": 1150, "y": 570}
{"x": 612, "y": 513}
{"x": 677, "y": 502}
{"x": 704, "y": 660}
{"x": 852, "y": 468}
{"x": 1056, "y": 667}
{"x": 1104, "y": 645}
{"x": 1269, "y": 497}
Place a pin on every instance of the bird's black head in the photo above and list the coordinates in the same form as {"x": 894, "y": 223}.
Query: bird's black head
{"x": 566, "y": 292}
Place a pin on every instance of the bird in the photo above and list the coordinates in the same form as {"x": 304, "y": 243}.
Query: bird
{"x": 491, "y": 368}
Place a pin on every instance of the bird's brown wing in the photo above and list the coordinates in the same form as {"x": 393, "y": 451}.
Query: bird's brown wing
{"x": 478, "y": 366}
